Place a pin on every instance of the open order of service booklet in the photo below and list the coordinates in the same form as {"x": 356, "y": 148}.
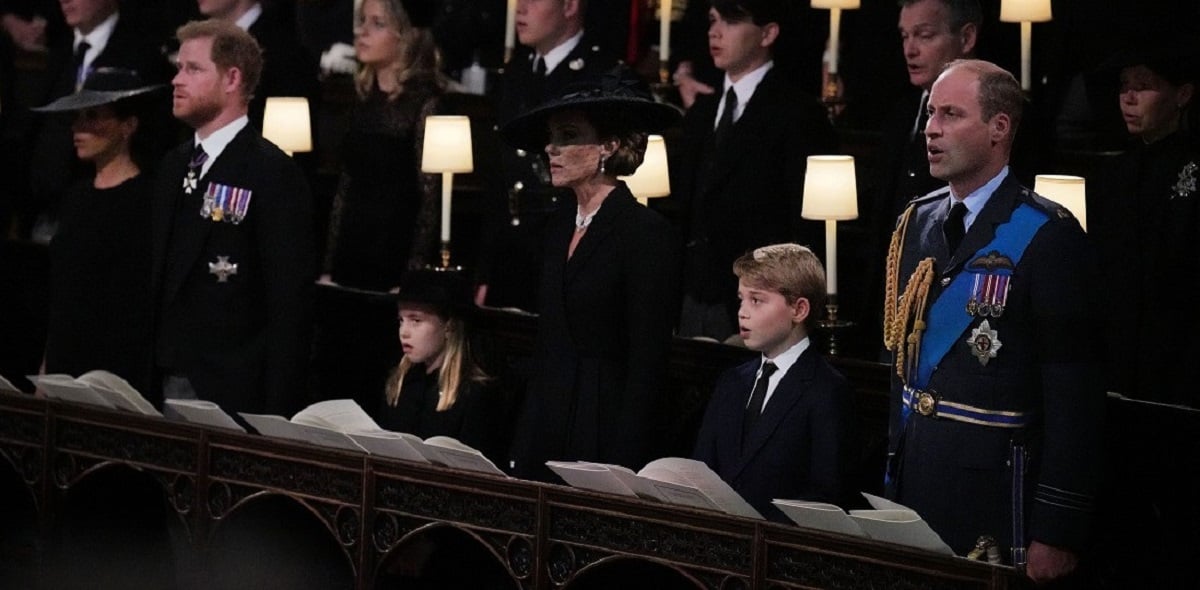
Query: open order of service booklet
{"x": 6, "y": 386}
{"x": 673, "y": 480}
{"x": 887, "y": 521}
{"x": 343, "y": 424}
{"x": 96, "y": 388}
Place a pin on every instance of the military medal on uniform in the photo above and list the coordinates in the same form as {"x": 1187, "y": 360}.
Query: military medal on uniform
{"x": 222, "y": 269}
{"x": 225, "y": 203}
{"x": 989, "y": 291}
{"x": 195, "y": 165}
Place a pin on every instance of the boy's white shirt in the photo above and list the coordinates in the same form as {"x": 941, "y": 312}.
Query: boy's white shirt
{"x": 783, "y": 362}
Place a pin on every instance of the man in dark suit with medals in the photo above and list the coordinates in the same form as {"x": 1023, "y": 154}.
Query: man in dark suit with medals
{"x": 996, "y": 405}
{"x": 555, "y": 52}
{"x": 740, "y": 174}
{"x": 234, "y": 256}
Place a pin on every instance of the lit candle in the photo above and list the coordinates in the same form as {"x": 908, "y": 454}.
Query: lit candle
{"x": 510, "y": 28}
{"x": 831, "y": 256}
{"x": 1026, "y": 52}
{"x": 664, "y": 32}
{"x": 447, "y": 188}
{"x": 835, "y": 26}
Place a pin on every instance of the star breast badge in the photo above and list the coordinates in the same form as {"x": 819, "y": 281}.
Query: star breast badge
{"x": 1186, "y": 185}
{"x": 984, "y": 343}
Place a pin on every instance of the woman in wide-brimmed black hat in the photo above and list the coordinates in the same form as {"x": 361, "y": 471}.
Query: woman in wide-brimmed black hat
{"x": 608, "y": 284}
{"x": 100, "y": 255}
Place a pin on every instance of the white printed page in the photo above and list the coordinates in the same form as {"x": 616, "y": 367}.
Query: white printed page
{"x": 202, "y": 412}
{"x": 344, "y": 415}
{"x": 698, "y": 475}
{"x": 819, "y": 515}
{"x": 66, "y": 388}
{"x": 902, "y": 527}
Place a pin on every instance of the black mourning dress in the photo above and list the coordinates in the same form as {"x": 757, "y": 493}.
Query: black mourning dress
{"x": 100, "y": 260}
{"x": 478, "y": 417}
{"x": 1144, "y": 217}
{"x": 385, "y": 212}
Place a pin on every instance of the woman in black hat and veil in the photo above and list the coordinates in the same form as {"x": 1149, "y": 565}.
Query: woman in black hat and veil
{"x": 609, "y": 282}
{"x": 100, "y": 256}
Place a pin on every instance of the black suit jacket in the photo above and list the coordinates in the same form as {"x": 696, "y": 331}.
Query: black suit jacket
{"x": 958, "y": 475}
{"x": 602, "y": 340}
{"x": 800, "y": 447}
{"x": 748, "y": 192}
{"x": 243, "y": 343}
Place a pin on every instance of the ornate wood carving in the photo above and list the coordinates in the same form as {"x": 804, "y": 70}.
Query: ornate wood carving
{"x": 811, "y": 569}
{"x": 126, "y": 445}
{"x": 441, "y": 503}
{"x": 286, "y": 475}
{"x": 646, "y": 537}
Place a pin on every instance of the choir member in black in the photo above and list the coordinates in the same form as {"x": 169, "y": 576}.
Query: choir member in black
{"x": 385, "y": 212}
{"x": 608, "y": 281}
{"x": 100, "y": 258}
{"x": 1145, "y": 220}
{"x": 438, "y": 389}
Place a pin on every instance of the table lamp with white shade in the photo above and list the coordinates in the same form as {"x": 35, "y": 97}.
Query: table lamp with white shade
{"x": 1025, "y": 12}
{"x": 286, "y": 123}
{"x": 447, "y": 149}
{"x": 1068, "y": 191}
{"x": 831, "y": 194}
{"x": 652, "y": 179}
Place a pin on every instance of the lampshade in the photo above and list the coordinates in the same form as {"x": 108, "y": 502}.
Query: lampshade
{"x": 843, "y": 4}
{"x": 1031, "y": 11}
{"x": 651, "y": 178}
{"x": 447, "y": 146}
{"x": 830, "y": 189}
{"x": 1068, "y": 191}
{"x": 286, "y": 123}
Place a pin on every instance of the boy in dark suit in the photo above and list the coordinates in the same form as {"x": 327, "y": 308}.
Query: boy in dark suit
{"x": 779, "y": 426}
{"x": 739, "y": 173}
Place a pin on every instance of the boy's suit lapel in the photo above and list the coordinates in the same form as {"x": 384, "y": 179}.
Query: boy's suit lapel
{"x": 779, "y": 406}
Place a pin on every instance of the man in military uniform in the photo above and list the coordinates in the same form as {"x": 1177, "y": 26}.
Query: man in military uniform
{"x": 996, "y": 404}
{"x": 555, "y": 52}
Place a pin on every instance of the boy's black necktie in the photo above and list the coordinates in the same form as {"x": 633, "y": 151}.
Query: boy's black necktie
{"x": 725, "y": 125}
{"x": 755, "y": 407}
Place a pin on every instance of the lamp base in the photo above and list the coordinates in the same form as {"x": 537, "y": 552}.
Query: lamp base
{"x": 831, "y": 95}
{"x": 445, "y": 259}
{"x": 833, "y": 325}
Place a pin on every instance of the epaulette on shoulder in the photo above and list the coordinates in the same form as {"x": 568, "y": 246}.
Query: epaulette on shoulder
{"x": 1051, "y": 208}
{"x": 936, "y": 195}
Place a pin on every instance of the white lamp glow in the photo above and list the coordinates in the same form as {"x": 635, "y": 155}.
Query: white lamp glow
{"x": 1025, "y": 12}
{"x": 652, "y": 179}
{"x": 1068, "y": 191}
{"x": 447, "y": 149}
{"x": 510, "y": 29}
{"x": 286, "y": 124}
{"x": 830, "y": 193}
{"x": 835, "y": 8}
{"x": 664, "y": 38}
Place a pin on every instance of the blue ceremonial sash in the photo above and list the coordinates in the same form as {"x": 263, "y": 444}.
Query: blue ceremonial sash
{"x": 948, "y": 318}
